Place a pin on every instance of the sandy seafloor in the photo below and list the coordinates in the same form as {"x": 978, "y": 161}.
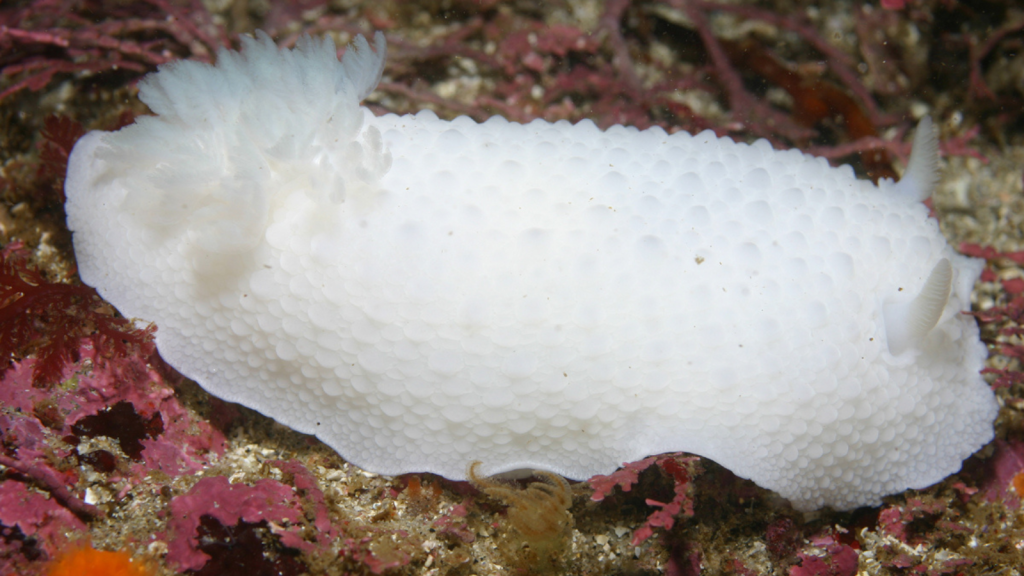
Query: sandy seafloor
{"x": 301, "y": 491}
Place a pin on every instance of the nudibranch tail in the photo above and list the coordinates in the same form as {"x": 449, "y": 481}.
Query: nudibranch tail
{"x": 922, "y": 173}
{"x": 908, "y": 323}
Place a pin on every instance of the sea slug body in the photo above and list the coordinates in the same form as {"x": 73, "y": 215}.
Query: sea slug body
{"x": 421, "y": 293}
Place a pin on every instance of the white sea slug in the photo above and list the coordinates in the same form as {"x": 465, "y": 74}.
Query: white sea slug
{"x": 420, "y": 293}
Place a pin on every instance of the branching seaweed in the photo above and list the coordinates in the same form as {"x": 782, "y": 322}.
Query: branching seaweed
{"x": 40, "y": 43}
{"x": 48, "y": 320}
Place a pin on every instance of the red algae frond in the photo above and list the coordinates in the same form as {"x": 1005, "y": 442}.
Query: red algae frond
{"x": 90, "y": 562}
{"x": 681, "y": 469}
{"x": 49, "y": 320}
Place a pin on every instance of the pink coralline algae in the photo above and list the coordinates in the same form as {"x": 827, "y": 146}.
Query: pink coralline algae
{"x": 1007, "y": 315}
{"x": 911, "y": 522}
{"x": 999, "y": 471}
{"x": 100, "y": 389}
{"x": 679, "y": 468}
{"x": 288, "y": 521}
{"x": 836, "y": 559}
{"x": 453, "y": 524}
{"x": 920, "y": 524}
{"x": 229, "y": 504}
{"x": 41, "y": 429}
{"x": 624, "y": 478}
{"x": 32, "y": 525}
{"x": 894, "y": 4}
{"x": 316, "y": 504}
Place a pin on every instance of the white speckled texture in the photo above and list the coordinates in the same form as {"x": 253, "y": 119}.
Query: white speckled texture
{"x": 532, "y": 296}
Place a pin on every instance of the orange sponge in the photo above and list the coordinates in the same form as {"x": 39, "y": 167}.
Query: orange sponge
{"x": 90, "y": 562}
